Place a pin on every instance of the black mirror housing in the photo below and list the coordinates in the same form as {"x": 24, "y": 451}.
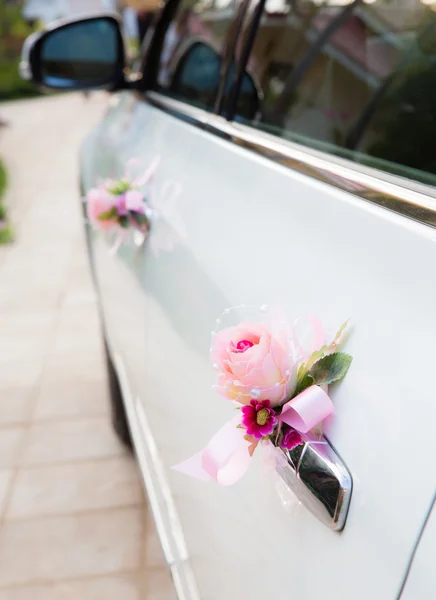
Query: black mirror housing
{"x": 77, "y": 54}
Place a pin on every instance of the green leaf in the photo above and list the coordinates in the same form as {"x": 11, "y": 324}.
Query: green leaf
{"x": 305, "y": 382}
{"x": 330, "y": 368}
{"x": 120, "y": 187}
{"x": 318, "y": 354}
{"x": 338, "y": 336}
{"x": 315, "y": 356}
{"x": 109, "y": 214}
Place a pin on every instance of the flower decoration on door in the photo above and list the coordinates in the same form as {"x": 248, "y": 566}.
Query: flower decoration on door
{"x": 278, "y": 382}
{"x": 120, "y": 206}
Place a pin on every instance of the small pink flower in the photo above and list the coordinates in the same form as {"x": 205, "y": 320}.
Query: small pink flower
{"x": 291, "y": 439}
{"x": 134, "y": 201}
{"x": 259, "y": 419}
{"x": 120, "y": 205}
{"x": 99, "y": 201}
{"x": 253, "y": 362}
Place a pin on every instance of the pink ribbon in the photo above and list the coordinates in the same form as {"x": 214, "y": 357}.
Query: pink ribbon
{"x": 225, "y": 459}
{"x": 307, "y": 410}
{"x": 149, "y": 173}
{"x": 118, "y": 241}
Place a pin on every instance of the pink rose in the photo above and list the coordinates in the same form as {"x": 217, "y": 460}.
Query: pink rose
{"x": 99, "y": 201}
{"x": 253, "y": 363}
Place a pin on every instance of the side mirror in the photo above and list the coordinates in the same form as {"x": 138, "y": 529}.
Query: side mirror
{"x": 79, "y": 54}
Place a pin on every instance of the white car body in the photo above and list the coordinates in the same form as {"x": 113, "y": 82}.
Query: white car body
{"x": 250, "y": 231}
{"x": 245, "y": 217}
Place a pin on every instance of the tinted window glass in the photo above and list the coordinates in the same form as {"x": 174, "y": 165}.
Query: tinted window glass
{"x": 190, "y": 70}
{"x": 196, "y": 80}
{"x": 355, "y": 79}
{"x": 82, "y": 52}
{"x": 197, "y": 75}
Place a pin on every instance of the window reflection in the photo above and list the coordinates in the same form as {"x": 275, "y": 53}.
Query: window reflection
{"x": 208, "y": 21}
{"x": 192, "y": 63}
{"x": 356, "y": 79}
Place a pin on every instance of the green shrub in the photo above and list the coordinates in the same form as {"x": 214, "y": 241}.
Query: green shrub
{"x": 3, "y": 181}
{"x": 6, "y": 234}
{"x": 13, "y": 32}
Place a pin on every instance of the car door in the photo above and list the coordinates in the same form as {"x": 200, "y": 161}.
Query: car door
{"x": 264, "y": 207}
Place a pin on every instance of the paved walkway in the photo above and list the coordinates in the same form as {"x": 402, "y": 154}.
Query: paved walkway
{"x": 74, "y": 524}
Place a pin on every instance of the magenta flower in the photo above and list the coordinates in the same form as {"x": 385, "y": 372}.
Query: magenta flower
{"x": 291, "y": 439}
{"x": 259, "y": 418}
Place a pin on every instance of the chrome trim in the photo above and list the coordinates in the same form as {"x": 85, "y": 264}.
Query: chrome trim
{"x": 162, "y": 506}
{"x": 24, "y": 64}
{"x": 319, "y": 479}
{"x": 95, "y": 14}
{"x": 405, "y": 197}
{"x": 177, "y": 108}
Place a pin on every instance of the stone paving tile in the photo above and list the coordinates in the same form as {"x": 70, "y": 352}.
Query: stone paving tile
{"x": 20, "y": 346}
{"x": 70, "y": 547}
{"x": 16, "y": 405}
{"x": 119, "y": 587}
{"x": 20, "y": 299}
{"x": 11, "y": 443}
{"x": 71, "y": 370}
{"x": 64, "y": 489}
{"x": 159, "y": 585}
{"x": 80, "y": 400}
{"x": 74, "y": 524}
{"x": 62, "y": 441}
{"x": 36, "y": 322}
{"x": 19, "y": 372}
{"x": 75, "y": 343}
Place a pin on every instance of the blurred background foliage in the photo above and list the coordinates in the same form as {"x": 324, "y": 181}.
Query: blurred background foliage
{"x": 13, "y": 31}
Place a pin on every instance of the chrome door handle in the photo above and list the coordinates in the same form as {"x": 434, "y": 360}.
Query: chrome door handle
{"x": 320, "y": 480}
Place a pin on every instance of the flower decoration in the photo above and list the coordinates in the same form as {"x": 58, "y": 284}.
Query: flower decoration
{"x": 278, "y": 386}
{"x": 118, "y": 205}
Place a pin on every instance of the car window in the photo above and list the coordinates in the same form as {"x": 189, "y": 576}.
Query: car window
{"x": 196, "y": 79}
{"x": 354, "y": 79}
{"x": 192, "y": 52}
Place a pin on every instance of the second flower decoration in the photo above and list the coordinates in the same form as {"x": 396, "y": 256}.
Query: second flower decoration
{"x": 119, "y": 205}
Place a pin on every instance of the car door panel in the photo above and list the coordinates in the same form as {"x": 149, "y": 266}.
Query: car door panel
{"x": 256, "y": 233}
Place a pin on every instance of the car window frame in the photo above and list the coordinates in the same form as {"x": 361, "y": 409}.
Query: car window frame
{"x": 153, "y": 45}
{"x": 406, "y": 197}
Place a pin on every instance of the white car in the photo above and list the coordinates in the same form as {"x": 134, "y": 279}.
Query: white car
{"x": 293, "y": 153}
